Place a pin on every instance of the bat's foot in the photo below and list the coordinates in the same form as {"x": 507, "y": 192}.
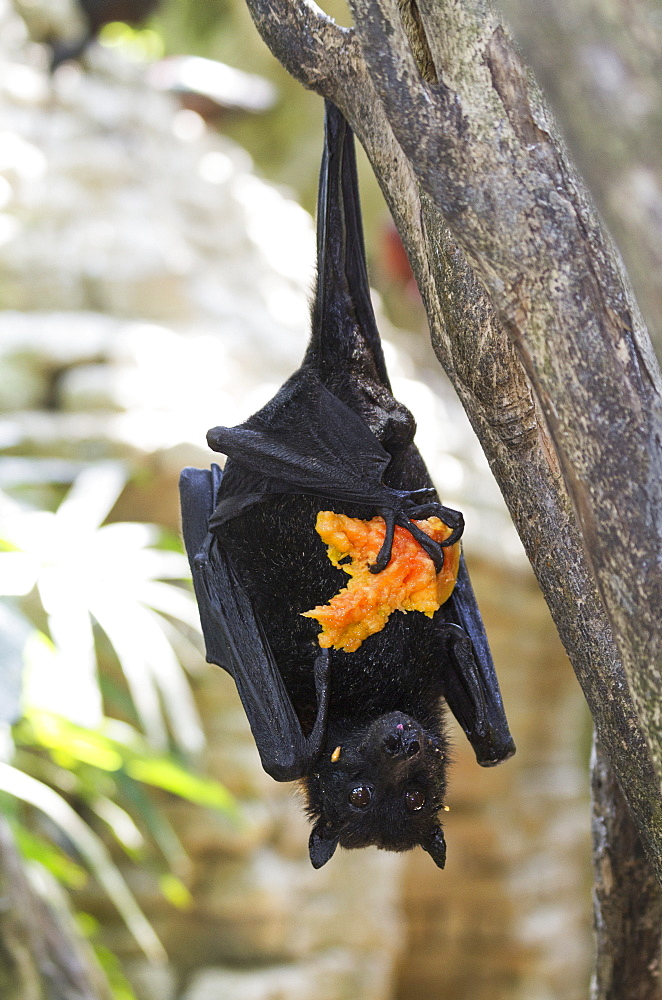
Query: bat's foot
{"x": 453, "y": 519}
{"x": 433, "y": 549}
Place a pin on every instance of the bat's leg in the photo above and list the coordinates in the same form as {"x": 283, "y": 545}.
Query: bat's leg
{"x": 382, "y": 560}
{"x": 313, "y": 745}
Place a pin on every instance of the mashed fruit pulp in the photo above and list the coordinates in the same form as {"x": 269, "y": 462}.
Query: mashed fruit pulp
{"x": 409, "y": 582}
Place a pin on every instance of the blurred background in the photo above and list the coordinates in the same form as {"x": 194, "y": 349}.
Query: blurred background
{"x": 156, "y": 265}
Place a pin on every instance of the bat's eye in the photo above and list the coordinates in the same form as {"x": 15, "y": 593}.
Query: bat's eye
{"x": 360, "y": 796}
{"x": 414, "y": 800}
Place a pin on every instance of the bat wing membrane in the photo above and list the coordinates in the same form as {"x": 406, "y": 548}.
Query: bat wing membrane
{"x": 235, "y": 640}
{"x": 471, "y": 686}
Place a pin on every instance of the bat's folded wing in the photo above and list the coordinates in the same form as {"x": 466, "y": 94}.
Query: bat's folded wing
{"x": 235, "y": 640}
{"x": 306, "y": 441}
{"x": 471, "y": 686}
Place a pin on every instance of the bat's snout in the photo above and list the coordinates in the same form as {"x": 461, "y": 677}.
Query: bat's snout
{"x": 400, "y": 738}
{"x": 401, "y": 745}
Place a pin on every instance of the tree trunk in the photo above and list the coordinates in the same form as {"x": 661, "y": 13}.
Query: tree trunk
{"x": 532, "y": 316}
{"x": 600, "y": 65}
{"x": 627, "y": 898}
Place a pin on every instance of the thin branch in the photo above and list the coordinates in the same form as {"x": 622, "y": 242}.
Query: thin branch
{"x": 309, "y": 44}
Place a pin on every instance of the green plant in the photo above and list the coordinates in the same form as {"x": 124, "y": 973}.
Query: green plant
{"x": 71, "y": 580}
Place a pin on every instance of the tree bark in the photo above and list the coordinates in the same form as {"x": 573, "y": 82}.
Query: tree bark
{"x": 41, "y": 955}
{"x": 627, "y": 898}
{"x": 532, "y": 317}
{"x": 600, "y": 65}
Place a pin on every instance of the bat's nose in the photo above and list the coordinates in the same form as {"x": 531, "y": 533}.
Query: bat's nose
{"x": 401, "y": 743}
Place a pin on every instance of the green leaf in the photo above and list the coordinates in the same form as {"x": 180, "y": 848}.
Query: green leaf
{"x": 171, "y": 777}
{"x": 86, "y": 745}
{"x": 36, "y": 848}
{"x": 175, "y": 891}
{"x": 91, "y": 849}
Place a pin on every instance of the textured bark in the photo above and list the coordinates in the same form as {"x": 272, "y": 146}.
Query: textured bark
{"x": 41, "y": 956}
{"x": 627, "y": 898}
{"x": 600, "y": 65}
{"x": 533, "y": 319}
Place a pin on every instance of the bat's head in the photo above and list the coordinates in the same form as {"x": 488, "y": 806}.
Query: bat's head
{"x": 382, "y": 785}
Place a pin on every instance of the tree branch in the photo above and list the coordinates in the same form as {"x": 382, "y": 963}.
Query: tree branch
{"x": 628, "y": 900}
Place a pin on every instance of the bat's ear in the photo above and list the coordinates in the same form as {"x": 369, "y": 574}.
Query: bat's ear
{"x": 435, "y": 845}
{"x": 321, "y": 847}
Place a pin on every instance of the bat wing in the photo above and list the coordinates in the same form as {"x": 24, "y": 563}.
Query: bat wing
{"x": 472, "y": 689}
{"x": 306, "y": 440}
{"x": 235, "y": 640}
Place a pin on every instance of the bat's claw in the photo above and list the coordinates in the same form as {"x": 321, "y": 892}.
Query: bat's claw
{"x": 433, "y": 549}
{"x": 455, "y": 535}
{"x": 381, "y": 562}
{"x": 384, "y": 554}
{"x": 453, "y": 519}
{"x": 436, "y": 553}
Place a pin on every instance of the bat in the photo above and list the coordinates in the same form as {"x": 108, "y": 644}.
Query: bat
{"x": 354, "y": 712}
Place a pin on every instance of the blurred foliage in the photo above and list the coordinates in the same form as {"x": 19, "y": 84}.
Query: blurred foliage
{"x": 79, "y": 778}
{"x": 285, "y": 142}
{"x": 71, "y": 570}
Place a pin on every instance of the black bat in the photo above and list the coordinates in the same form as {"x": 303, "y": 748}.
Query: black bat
{"x": 363, "y": 730}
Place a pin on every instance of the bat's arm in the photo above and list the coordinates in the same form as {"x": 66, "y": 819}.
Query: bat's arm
{"x": 286, "y": 754}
